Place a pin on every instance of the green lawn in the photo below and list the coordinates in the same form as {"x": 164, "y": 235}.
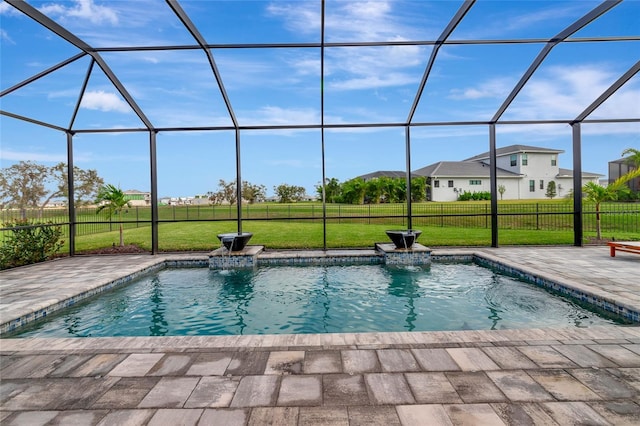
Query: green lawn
{"x": 299, "y": 225}
{"x": 201, "y": 236}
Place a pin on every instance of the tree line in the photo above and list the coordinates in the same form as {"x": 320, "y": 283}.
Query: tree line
{"x": 255, "y": 193}
{"x": 381, "y": 189}
{"x": 29, "y": 185}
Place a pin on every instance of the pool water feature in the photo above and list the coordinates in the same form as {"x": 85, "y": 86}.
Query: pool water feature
{"x": 316, "y": 299}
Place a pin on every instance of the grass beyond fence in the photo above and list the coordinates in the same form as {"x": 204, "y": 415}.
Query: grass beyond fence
{"x": 299, "y": 225}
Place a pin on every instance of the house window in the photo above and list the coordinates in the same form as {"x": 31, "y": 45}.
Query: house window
{"x": 554, "y": 161}
{"x": 514, "y": 160}
{"x": 525, "y": 159}
{"x": 475, "y": 182}
{"x": 436, "y": 184}
{"x": 541, "y": 184}
{"x": 450, "y": 184}
{"x": 532, "y": 186}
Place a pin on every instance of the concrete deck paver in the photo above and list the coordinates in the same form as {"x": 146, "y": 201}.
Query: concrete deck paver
{"x": 128, "y": 392}
{"x": 300, "y": 391}
{"x": 604, "y": 383}
{"x": 531, "y": 376}
{"x": 319, "y": 362}
{"x": 170, "y": 365}
{"x": 256, "y": 391}
{"x": 583, "y": 356}
{"x": 213, "y": 391}
{"x": 432, "y": 388}
{"x": 136, "y": 365}
{"x": 576, "y": 413}
{"x": 620, "y": 413}
{"x": 79, "y": 417}
{"x": 226, "y": 417}
{"x": 518, "y": 386}
{"x": 344, "y": 389}
{"x": 472, "y": 359}
{"x": 435, "y": 414}
{"x": 523, "y": 414}
{"x": 563, "y": 386}
{"x": 360, "y": 361}
{"x": 169, "y": 392}
{"x": 373, "y": 416}
{"x": 210, "y": 364}
{"x": 285, "y": 416}
{"x": 475, "y": 387}
{"x": 387, "y": 388}
{"x": 285, "y": 362}
{"x": 546, "y": 357}
{"x": 509, "y": 358}
{"x": 435, "y": 359}
{"x": 617, "y": 354}
{"x": 397, "y": 360}
{"x": 127, "y": 417}
{"x": 168, "y": 416}
{"x": 473, "y": 414}
{"x": 324, "y": 416}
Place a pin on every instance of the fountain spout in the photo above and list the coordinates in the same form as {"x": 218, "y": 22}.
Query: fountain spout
{"x": 234, "y": 241}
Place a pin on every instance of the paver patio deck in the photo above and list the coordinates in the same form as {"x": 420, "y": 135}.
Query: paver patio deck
{"x": 550, "y": 376}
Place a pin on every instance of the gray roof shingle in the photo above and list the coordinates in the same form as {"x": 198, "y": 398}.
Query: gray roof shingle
{"x": 515, "y": 149}
{"x": 461, "y": 169}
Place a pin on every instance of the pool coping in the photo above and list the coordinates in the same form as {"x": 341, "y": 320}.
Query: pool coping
{"x": 569, "y": 288}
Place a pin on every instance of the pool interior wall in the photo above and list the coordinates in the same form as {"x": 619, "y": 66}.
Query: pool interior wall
{"x": 582, "y": 295}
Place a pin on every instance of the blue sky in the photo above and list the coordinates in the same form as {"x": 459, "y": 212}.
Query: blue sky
{"x": 281, "y": 86}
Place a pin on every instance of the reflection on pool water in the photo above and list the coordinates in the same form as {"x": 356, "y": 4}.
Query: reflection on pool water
{"x": 316, "y": 299}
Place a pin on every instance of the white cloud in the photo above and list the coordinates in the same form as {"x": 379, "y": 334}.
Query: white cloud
{"x": 44, "y": 157}
{"x": 4, "y": 36}
{"x": 507, "y": 21}
{"x": 85, "y": 10}
{"x": 277, "y": 116}
{"x": 357, "y": 68}
{"x": 372, "y": 82}
{"x": 104, "y": 101}
{"x": 563, "y": 92}
{"x": 494, "y": 88}
{"x": 6, "y": 9}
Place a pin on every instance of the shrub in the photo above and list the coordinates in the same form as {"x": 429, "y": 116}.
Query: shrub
{"x": 476, "y": 196}
{"x": 28, "y": 242}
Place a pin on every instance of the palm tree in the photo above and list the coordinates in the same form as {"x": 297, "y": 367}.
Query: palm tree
{"x": 633, "y": 158}
{"x": 114, "y": 201}
{"x": 598, "y": 194}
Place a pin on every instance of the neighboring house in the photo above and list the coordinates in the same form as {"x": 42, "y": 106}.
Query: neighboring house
{"x": 385, "y": 173}
{"x": 524, "y": 171}
{"x": 137, "y": 198}
{"x": 621, "y": 167}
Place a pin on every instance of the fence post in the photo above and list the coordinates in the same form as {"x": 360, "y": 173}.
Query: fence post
{"x": 537, "y": 216}
{"x": 137, "y": 217}
{"x": 486, "y": 216}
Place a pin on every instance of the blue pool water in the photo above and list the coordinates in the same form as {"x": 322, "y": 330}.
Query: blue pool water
{"x": 316, "y": 299}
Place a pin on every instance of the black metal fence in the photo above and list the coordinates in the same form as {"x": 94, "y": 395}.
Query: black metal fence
{"x": 621, "y": 217}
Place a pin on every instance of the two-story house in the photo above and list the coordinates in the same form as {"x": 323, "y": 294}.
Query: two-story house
{"x": 524, "y": 172}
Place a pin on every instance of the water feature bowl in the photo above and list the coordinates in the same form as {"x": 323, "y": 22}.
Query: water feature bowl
{"x": 234, "y": 241}
{"x": 404, "y": 239}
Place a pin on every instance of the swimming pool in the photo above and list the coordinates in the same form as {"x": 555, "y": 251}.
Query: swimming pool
{"x": 316, "y": 299}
